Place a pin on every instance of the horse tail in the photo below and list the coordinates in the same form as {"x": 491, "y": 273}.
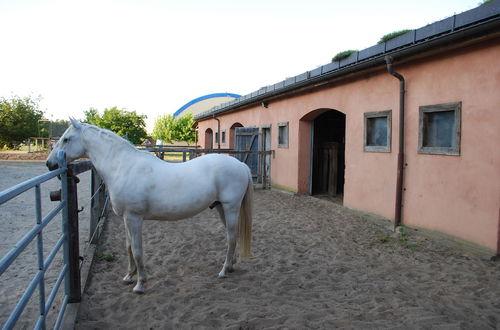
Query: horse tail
{"x": 245, "y": 220}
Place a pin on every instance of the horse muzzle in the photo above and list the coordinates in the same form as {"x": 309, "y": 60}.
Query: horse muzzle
{"x": 51, "y": 166}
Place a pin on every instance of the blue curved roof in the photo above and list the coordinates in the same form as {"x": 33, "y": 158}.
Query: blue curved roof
{"x": 201, "y": 98}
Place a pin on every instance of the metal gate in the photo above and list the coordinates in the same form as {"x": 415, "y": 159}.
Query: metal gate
{"x": 69, "y": 241}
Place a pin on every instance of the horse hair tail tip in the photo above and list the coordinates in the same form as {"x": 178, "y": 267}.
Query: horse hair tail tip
{"x": 245, "y": 221}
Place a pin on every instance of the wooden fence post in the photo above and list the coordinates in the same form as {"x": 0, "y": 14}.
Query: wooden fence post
{"x": 75, "y": 293}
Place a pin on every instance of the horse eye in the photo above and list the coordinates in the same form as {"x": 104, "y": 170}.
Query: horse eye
{"x": 65, "y": 140}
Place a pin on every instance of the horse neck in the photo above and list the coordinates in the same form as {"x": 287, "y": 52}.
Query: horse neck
{"x": 107, "y": 152}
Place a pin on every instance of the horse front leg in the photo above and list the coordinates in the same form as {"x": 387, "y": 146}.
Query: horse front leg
{"x": 134, "y": 230}
{"x": 132, "y": 268}
{"x": 231, "y": 217}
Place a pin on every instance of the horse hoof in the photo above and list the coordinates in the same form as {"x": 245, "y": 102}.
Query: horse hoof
{"x": 139, "y": 289}
{"x": 128, "y": 279}
{"x": 222, "y": 274}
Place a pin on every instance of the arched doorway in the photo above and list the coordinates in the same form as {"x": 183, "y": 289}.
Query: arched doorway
{"x": 232, "y": 135}
{"x": 209, "y": 139}
{"x": 328, "y": 154}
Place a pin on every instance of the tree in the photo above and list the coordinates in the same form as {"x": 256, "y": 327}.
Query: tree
{"x": 19, "y": 118}
{"x": 184, "y": 128}
{"x": 164, "y": 128}
{"x": 59, "y": 126}
{"x": 169, "y": 129}
{"x": 128, "y": 124}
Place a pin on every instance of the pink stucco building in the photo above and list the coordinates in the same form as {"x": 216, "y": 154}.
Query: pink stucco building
{"x": 339, "y": 129}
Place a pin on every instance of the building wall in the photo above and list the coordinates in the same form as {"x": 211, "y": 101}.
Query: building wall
{"x": 458, "y": 195}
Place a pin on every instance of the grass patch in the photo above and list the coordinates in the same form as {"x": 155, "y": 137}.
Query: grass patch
{"x": 401, "y": 238}
{"x": 174, "y": 156}
{"x": 109, "y": 257}
{"x": 342, "y": 55}
{"x": 392, "y": 35}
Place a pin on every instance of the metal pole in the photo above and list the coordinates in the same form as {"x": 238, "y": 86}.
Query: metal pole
{"x": 94, "y": 206}
{"x": 73, "y": 241}
{"x": 61, "y": 159}
{"x": 41, "y": 284}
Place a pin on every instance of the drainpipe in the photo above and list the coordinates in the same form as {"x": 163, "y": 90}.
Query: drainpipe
{"x": 401, "y": 152}
{"x": 218, "y": 130}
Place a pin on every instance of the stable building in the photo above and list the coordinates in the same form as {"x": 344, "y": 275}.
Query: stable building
{"x": 407, "y": 129}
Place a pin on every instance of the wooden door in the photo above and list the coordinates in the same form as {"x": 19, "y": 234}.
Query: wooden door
{"x": 328, "y": 154}
{"x": 247, "y": 139}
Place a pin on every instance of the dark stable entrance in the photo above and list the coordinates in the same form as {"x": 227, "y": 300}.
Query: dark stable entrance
{"x": 329, "y": 154}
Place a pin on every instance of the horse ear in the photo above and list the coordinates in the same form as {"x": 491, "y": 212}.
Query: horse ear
{"x": 76, "y": 124}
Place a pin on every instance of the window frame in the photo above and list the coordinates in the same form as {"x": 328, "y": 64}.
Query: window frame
{"x": 223, "y": 137}
{"x": 448, "y": 151}
{"x": 216, "y": 137}
{"x": 284, "y": 144}
{"x": 378, "y": 114}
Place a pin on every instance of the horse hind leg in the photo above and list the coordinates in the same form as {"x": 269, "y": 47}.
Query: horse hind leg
{"x": 134, "y": 230}
{"x": 222, "y": 216}
{"x": 220, "y": 209}
{"x": 231, "y": 217}
{"x": 132, "y": 268}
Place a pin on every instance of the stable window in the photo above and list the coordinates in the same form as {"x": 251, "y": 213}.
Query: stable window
{"x": 223, "y": 137}
{"x": 377, "y": 133}
{"x": 439, "y": 129}
{"x": 283, "y": 135}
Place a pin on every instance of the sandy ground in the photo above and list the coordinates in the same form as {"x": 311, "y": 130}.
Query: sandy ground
{"x": 316, "y": 265}
{"x": 17, "y": 217}
{"x": 23, "y": 156}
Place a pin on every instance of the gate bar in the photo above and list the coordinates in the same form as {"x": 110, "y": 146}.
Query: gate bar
{"x": 12, "y": 192}
{"x": 15, "y": 251}
{"x": 41, "y": 284}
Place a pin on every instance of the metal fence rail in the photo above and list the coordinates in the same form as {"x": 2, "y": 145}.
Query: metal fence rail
{"x": 262, "y": 175}
{"x": 38, "y": 280}
{"x": 69, "y": 239}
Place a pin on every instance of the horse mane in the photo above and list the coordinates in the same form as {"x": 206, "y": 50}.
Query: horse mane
{"x": 110, "y": 136}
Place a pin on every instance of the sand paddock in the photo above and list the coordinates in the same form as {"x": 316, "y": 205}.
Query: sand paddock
{"x": 316, "y": 265}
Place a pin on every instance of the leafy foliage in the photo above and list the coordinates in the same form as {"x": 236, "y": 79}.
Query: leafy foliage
{"x": 19, "y": 118}
{"x": 169, "y": 129}
{"x": 128, "y": 124}
{"x": 392, "y": 35}
{"x": 343, "y": 55}
{"x": 59, "y": 126}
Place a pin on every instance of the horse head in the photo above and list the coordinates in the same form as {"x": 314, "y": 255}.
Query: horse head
{"x": 71, "y": 142}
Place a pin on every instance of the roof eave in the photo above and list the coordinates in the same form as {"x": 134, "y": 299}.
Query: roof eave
{"x": 311, "y": 79}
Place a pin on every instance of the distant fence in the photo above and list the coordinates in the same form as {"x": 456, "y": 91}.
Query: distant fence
{"x": 69, "y": 239}
{"x": 261, "y": 173}
{"x": 38, "y": 144}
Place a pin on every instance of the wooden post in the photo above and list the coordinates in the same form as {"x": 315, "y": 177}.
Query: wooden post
{"x": 184, "y": 156}
{"x": 75, "y": 294}
{"x": 94, "y": 206}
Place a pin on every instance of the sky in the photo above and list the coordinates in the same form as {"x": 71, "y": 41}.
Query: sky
{"x": 154, "y": 56}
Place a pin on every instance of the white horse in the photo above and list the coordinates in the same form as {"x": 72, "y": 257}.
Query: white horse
{"x": 141, "y": 186}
